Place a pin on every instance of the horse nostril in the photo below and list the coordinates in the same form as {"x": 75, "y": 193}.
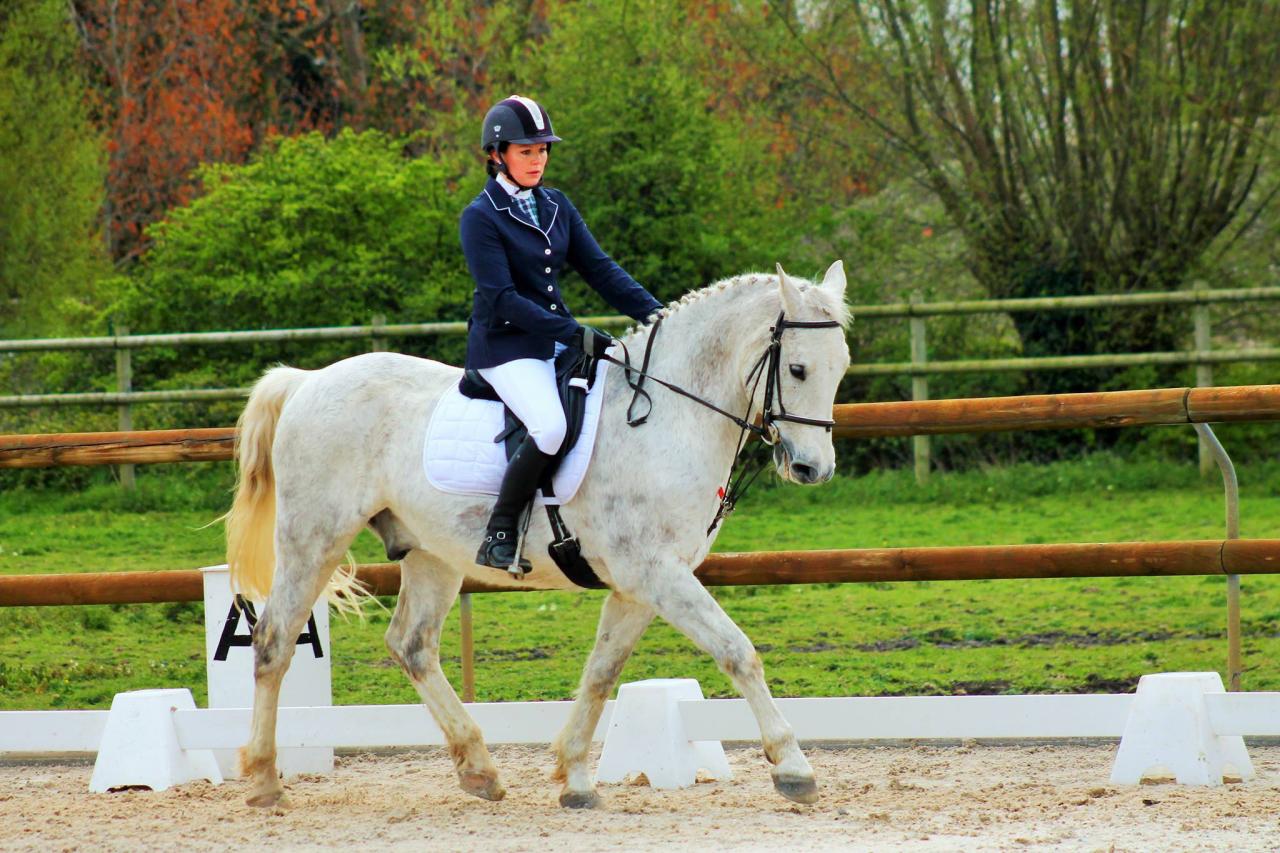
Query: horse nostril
{"x": 804, "y": 473}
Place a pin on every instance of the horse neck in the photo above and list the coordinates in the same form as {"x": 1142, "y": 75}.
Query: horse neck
{"x": 707, "y": 345}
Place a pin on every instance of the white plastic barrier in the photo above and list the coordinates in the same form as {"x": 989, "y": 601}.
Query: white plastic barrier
{"x": 1170, "y": 727}
{"x": 1193, "y": 719}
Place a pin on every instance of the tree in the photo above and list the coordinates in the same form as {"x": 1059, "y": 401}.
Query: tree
{"x": 310, "y": 232}
{"x": 51, "y": 170}
{"x": 1081, "y": 146}
{"x": 167, "y": 80}
{"x": 674, "y": 190}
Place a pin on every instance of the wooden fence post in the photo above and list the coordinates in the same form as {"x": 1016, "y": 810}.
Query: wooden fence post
{"x": 919, "y": 390}
{"x": 1204, "y": 372}
{"x": 124, "y": 384}
{"x": 376, "y": 343}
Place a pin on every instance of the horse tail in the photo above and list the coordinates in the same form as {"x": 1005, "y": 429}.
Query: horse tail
{"x": 251, "y": 521}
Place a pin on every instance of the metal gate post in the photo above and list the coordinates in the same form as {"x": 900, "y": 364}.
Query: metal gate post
{"x": 1231, "y": 486}
{"x": 468, "y": 649}
{"x": 1204, "y": 373}
{"x": 919, "y": 390}
{"x": 124, "y": 384}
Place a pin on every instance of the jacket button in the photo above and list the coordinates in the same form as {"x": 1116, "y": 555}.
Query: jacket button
{"x": 546, "y": 251}
{"x": 550, "y": 288}
{"x": 548, "y": 269}
{"x": 553, "y": 306}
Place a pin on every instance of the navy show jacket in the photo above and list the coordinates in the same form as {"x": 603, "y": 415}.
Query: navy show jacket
{"x": 517, "y": 309}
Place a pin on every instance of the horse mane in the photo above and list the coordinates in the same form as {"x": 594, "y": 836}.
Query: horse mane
{"x": 828, "y": 303}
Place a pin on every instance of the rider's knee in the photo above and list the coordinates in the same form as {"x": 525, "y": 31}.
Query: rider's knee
{"x": 548, "y": 434}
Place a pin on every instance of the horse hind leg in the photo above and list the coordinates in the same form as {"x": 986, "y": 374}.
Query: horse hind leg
{"x": 428, "y": 588}
{"x": 307, "y": 554}
{"x": 622, "y": 622}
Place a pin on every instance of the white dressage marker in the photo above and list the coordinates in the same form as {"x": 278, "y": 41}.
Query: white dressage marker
{"x": 1170, "y": 726}
{"x": 646, "y": 735}
{"x": 229, "y": 663}
{"x": 140, "y": 744}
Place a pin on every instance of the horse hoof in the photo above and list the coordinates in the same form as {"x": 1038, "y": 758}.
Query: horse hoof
{"x": 270, "y": 798}
{"x": 797, "y": 789}
{"x": 579, "y": 800}
{"x": 483, "y": 785}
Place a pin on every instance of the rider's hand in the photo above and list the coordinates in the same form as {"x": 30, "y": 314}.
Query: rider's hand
{"x": 594, "y": 342}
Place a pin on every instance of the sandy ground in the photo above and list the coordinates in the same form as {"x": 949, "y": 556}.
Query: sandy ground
{"x": 969, "y": 797}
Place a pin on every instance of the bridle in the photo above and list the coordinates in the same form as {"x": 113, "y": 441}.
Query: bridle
{"x": 768, "y": 366}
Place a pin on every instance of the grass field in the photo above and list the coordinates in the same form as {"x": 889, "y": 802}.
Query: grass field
{"x": 1091, "y": 635}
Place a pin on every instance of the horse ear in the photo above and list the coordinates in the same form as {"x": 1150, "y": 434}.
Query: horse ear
{"x": 791, "y": 298}
{"x": 834, "y": 279}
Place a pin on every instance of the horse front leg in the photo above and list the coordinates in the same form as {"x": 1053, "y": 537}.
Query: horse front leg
{"x": 622, "y": 622}
{"x": 680, "y": 599}
{"x": 428, "y": 588}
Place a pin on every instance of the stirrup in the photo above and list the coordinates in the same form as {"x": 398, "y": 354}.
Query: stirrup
{"x": 493, "y": 554}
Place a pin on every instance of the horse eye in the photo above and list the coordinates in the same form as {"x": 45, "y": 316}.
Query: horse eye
{"x": 797, "y": 370}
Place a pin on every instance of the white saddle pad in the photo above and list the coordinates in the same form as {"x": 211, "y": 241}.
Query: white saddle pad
{"x": 461, "y": 458}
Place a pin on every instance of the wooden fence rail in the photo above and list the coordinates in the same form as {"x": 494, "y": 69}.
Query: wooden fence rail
{"x": 999, "y": 562}
{"x": 853, "y": 420}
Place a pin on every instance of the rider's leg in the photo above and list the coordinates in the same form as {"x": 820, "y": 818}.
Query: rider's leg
{"x": 528, "y": 387}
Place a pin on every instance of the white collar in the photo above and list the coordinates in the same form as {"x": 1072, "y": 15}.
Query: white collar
{"x": 511, "y": 188}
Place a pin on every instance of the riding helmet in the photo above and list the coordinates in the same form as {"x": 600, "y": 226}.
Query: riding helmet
{"x": 517, "y": 120}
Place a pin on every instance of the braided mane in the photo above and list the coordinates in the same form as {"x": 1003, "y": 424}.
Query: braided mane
{"x": 828, "y": 304}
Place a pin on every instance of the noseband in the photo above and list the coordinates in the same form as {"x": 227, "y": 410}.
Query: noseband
{"x": 768, "y": 365}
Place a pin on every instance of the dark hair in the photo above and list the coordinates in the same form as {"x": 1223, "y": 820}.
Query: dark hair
{"x": 492, "y": 168}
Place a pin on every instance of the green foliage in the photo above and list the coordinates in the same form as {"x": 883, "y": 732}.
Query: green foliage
{"x": 51, "y": 173}
{"x": 311, "y": 232}
{"x": 667, "y": 188}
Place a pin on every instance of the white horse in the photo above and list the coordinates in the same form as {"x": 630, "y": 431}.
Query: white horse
{"x": 325, "y": 453}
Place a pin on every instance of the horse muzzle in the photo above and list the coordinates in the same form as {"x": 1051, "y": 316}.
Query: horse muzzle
{"x": 803, "y": 472}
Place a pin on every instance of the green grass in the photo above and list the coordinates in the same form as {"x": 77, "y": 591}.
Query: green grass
{"x": 855, "y": 639}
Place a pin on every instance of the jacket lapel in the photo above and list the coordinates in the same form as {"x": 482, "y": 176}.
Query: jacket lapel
{"x": 501, "y": 200}
{"x": 547, "y": 210}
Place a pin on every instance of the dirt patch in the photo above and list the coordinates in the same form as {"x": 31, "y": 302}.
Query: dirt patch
{"x": 972, "y": 797}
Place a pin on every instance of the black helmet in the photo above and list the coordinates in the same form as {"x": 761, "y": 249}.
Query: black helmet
{"x": 518, "y": 120}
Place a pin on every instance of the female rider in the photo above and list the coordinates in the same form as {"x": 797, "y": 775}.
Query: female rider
{"x": 517, "y": 235}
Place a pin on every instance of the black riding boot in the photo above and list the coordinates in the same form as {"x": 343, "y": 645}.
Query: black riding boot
{"x": 524, "y": 471}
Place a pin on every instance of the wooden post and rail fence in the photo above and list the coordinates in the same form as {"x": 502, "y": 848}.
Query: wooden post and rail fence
{"x": 919, "y": 367}
{"x": 1230, "y": 556}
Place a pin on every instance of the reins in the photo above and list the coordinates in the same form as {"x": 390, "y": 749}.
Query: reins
{"x": 768, "y": 365}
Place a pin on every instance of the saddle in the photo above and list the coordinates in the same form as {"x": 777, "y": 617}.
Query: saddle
{"x": 575, "y": 374}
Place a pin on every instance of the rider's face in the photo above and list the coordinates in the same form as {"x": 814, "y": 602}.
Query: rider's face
{"x": 525, "y": 162}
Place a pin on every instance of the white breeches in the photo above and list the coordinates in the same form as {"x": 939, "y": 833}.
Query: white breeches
{"x": 528, "y": 387}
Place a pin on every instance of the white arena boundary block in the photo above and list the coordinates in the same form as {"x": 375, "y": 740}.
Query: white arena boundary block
{"x": 1170, "y": 727}
{"x": 140, "y": 745}
{"x": 647, "y": 735}
{"x": 1199, "y": 714}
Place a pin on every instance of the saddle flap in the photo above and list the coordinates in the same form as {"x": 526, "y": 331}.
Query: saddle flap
{"x": 575, "y": 374}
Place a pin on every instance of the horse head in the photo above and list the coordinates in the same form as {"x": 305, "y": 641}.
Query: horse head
{"x": 809, "y": 358}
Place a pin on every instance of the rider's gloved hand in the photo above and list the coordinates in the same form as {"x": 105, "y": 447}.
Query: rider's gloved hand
{"x": 594, "y": 342}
